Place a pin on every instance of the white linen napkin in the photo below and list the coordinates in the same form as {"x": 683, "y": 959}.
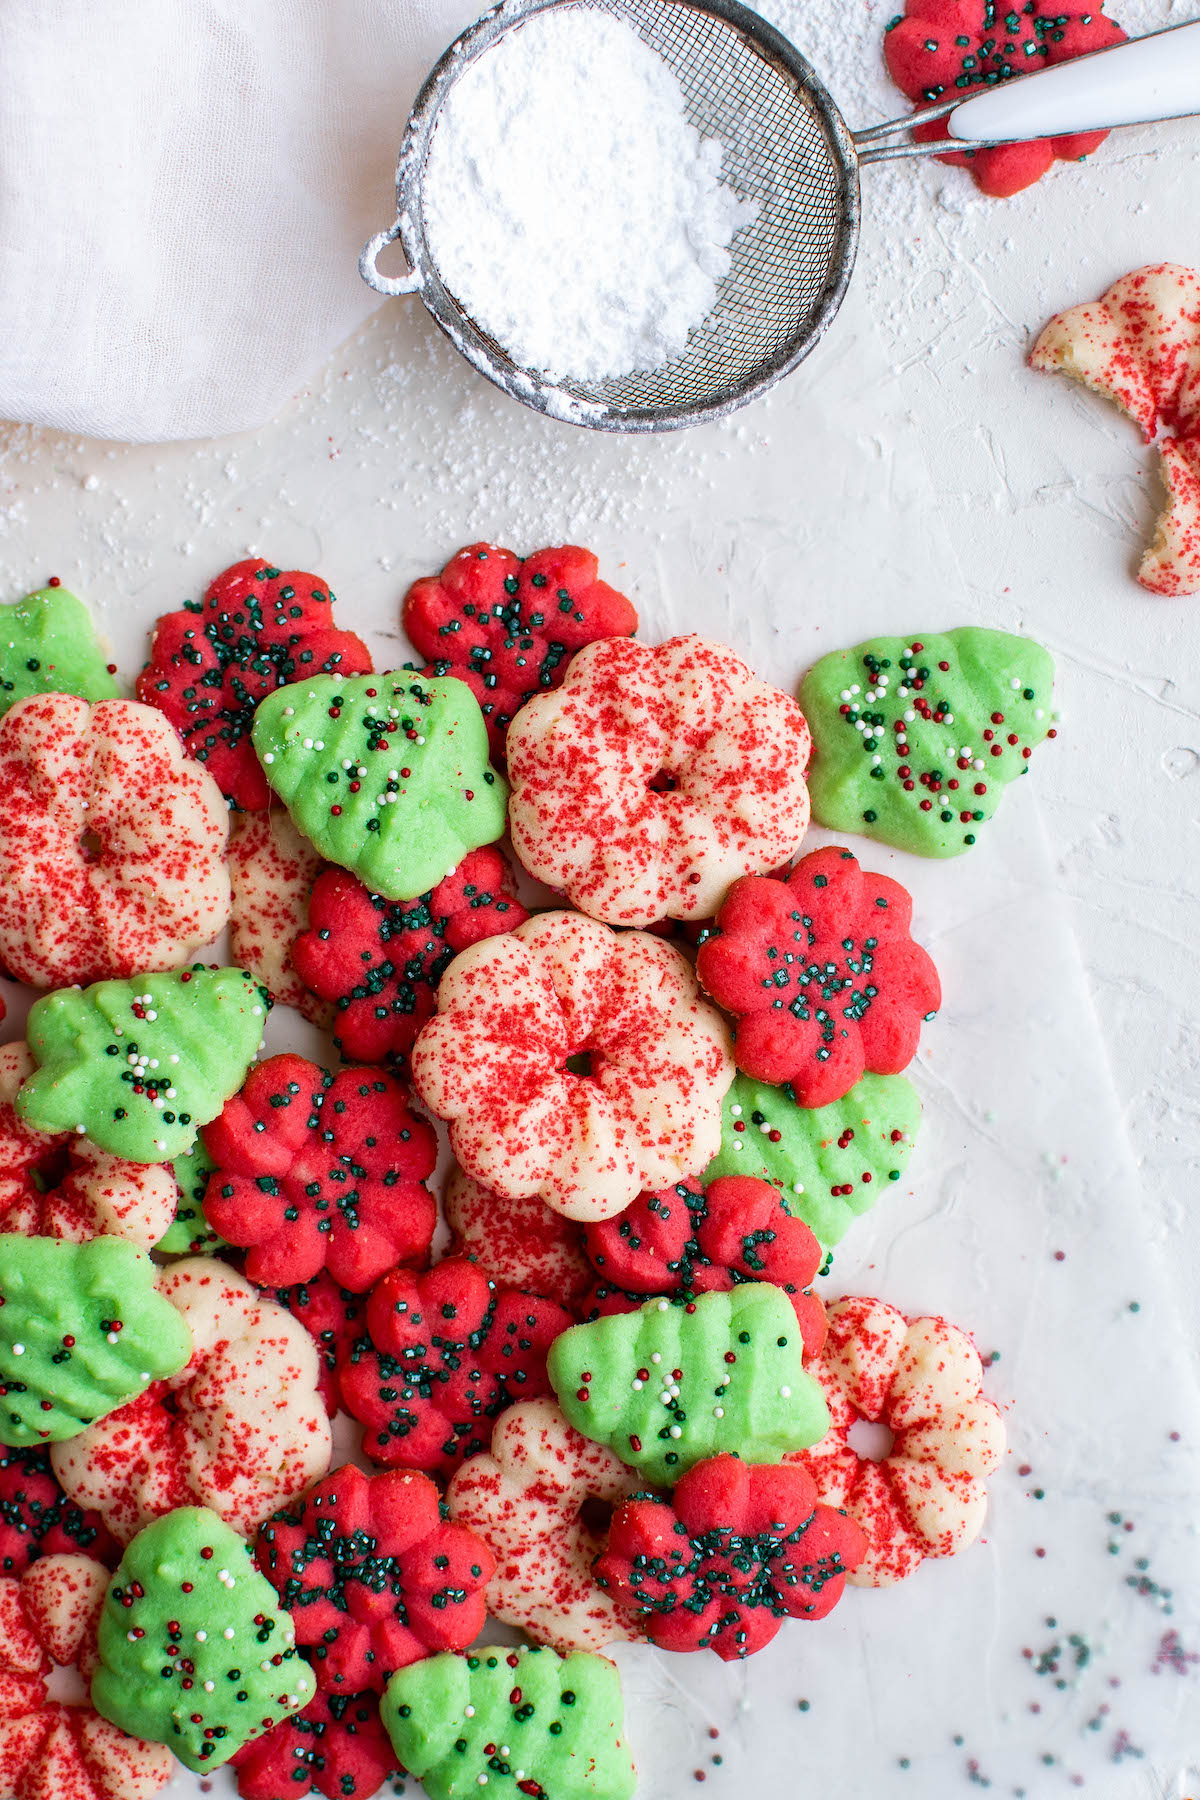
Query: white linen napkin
{"x": 185, "y": 186}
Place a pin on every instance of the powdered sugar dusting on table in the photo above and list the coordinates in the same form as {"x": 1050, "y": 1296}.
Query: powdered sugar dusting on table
{"x": 570, "y": 206}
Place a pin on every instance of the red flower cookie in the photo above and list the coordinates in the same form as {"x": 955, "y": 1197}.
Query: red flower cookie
{"x": 316, "y": 1170}
{"x": 732, "y": 1553}
{"x": 381, "y": 960}
{"x": 822, "y": 976}
{"x": 37, "y": 1519}
{"x": 442, "y": 1355}
{"x": 337, "y": 1746}
{"x": 701, "y": 1240}
{"x": 112, "y": 844}
{"x": 333, "y": 1318}
{"x": 373, "y": 1577}
{"x": 256, "y": 629}
{"x": 508, "y": 626}
{"x": 522, "y": 1243}
{"x": 943, "y": 49}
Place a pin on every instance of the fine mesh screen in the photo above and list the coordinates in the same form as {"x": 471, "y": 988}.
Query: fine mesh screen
{"x": 785, "y": 148}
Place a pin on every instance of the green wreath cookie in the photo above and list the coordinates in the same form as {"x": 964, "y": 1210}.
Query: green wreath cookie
{"x": 387, "y": 775}
{"x": 48, "y": 645}
{"x": 195, "y": 1650}
{"x": 83, "y": 1330}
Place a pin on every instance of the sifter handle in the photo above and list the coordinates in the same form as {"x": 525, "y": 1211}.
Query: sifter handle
{"x": 1147, "y": 78}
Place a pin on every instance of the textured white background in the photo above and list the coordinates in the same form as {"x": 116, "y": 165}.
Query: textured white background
{"x": 912, "y": 476}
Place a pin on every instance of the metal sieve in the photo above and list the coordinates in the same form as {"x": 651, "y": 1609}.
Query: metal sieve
{"x": 787, "y": 148}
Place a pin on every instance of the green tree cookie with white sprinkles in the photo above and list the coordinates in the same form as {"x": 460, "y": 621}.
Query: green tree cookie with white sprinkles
{"x": 680, "y": 1380}
{"x": 195, "y": 1650}
{"x": 387, "y": 775}
{"x": 48, "y": 645}
{"x": 525, "y": 1721}
{"x": 83, "y": 1330}
{"x": 831, "y": 1163}
{"x": 139, "y": 1065}
{"x": 915, "y": 739}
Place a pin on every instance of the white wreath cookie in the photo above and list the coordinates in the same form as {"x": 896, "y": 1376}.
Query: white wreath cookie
{"x": 241, "y": 1429}
{"x": 922, "y": 1379}
{"x": 641, "y": 1108}
{"x": 654, "y": 777}
{"x": 525, "y": 1501}
{"x": 271, "y": 870}
{"x": 521, "y": 1243}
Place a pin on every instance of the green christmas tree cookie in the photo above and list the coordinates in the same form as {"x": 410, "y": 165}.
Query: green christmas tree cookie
{"x": 195, "y": 1650}
{"x": 675, "y": 1382}
{"x": 916, "y": 739}
{"x": 83, "y": 1330}
{"x": 48, "y": 645}
{"x": 386, "y": 774}
{"x": 525, "y": 1721}
{"x": 831, "y": 1163}
{"x": 140, "y": 1065}
{"x": 189, "y": 1233}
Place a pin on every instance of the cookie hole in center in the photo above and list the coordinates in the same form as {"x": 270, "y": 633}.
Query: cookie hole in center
{"x": 595, "y": 1515}
{"x": 49, "y": 1173}
{"x": 66, "y": 1686}
{"x": 870, "y": 1439}
{"x": 90, "y": 844}
{"x": 662, "y": 783}
{"x": 580, "y": 1063}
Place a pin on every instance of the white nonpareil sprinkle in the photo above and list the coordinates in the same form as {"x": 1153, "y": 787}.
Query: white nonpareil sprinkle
{"x": 569, "y": 205}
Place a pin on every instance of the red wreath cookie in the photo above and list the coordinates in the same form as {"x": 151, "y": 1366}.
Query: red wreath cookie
{"x": 702, "y": 1240}
{"x": 271, "y": 870}
{"x": 373, "y": 1576}
{"x": 316, "y": 1170}
{"x": 62, "y": 1185}
{"x": 112, "y": 844}
{"x": 943, "y": 49}
{"x": 508, "y": 626}
{"x": 522, "y": 1243}
{"x": 654, "y": 777}
{"x": 731, "y": 1554}
{"x": 922, "y": 1379}
{"x": 50, "y": 1750}
{"x": 37, "y": 1519}
{"x": 337, "y": 1746}
{"x": 379, "y": 961}
{"x": 443, "y": 1353}
{"x": 1139, "y": 346}
{"x": 256, "y": 629}
{"x": 822, "y": 976}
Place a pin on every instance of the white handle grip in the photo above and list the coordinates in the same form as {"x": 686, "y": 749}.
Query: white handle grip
{"x": 1155, "y": 77}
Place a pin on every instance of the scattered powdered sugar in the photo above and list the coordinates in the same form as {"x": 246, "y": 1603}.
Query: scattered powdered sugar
{"x": 570, "y": 207}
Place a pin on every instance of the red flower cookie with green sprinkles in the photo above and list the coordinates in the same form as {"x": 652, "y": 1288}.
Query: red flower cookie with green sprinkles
{"x": 916, "y": 738}
{"x": 337, "y": 1747}
{"x": 695, "y": 1240}
{"x": 733, "y": 1553}
{"x": 821, "y": 974}
{"x": 443, "y": 1353}
{"x": 945, "y": 49}
{"x": 373, "y": 1576}
{"x": 315, "y": 1170}
{"x": 508, "y": 625}
{"x": 256, "y": 629}
{"x": 380, "y": 961}
{"x": 37, "y": 1519}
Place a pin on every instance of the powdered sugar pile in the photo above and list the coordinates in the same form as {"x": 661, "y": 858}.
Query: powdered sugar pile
{"x": 570, "y": 207}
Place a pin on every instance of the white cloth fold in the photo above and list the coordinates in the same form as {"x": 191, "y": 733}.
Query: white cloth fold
{"x": 185, "y": 186}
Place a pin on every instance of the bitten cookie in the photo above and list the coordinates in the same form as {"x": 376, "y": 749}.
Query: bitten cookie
{"x": 271, "y": 870}
{"x": 315, "y": 1170}
{"x": 915, "y": 739}
{"x": 733, "y": 1553}
{"x": 215, "y": 660}
{"x": 575, "y": 1063}
{"x": 387, "y": 775}
{"x": 922, "y": 1378}
{"x": 553, "y": 1725}
{"x": 821, "y": 975}
{"x": 48, "y": 645}
{"x": 522, "y": 1243}
{"x": 112, "y": 844}
{"x": 373, "y": 1576}
{"x": 240, "y": 1429}
{"x": 509, "y": 626}
{"x": 677, "y": 1382}
{"x": 193, "y": 1650}
{"x": 1139, "y": 346}
{"x": 533, "y": 1500}
{"x": 654, "y": 777}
